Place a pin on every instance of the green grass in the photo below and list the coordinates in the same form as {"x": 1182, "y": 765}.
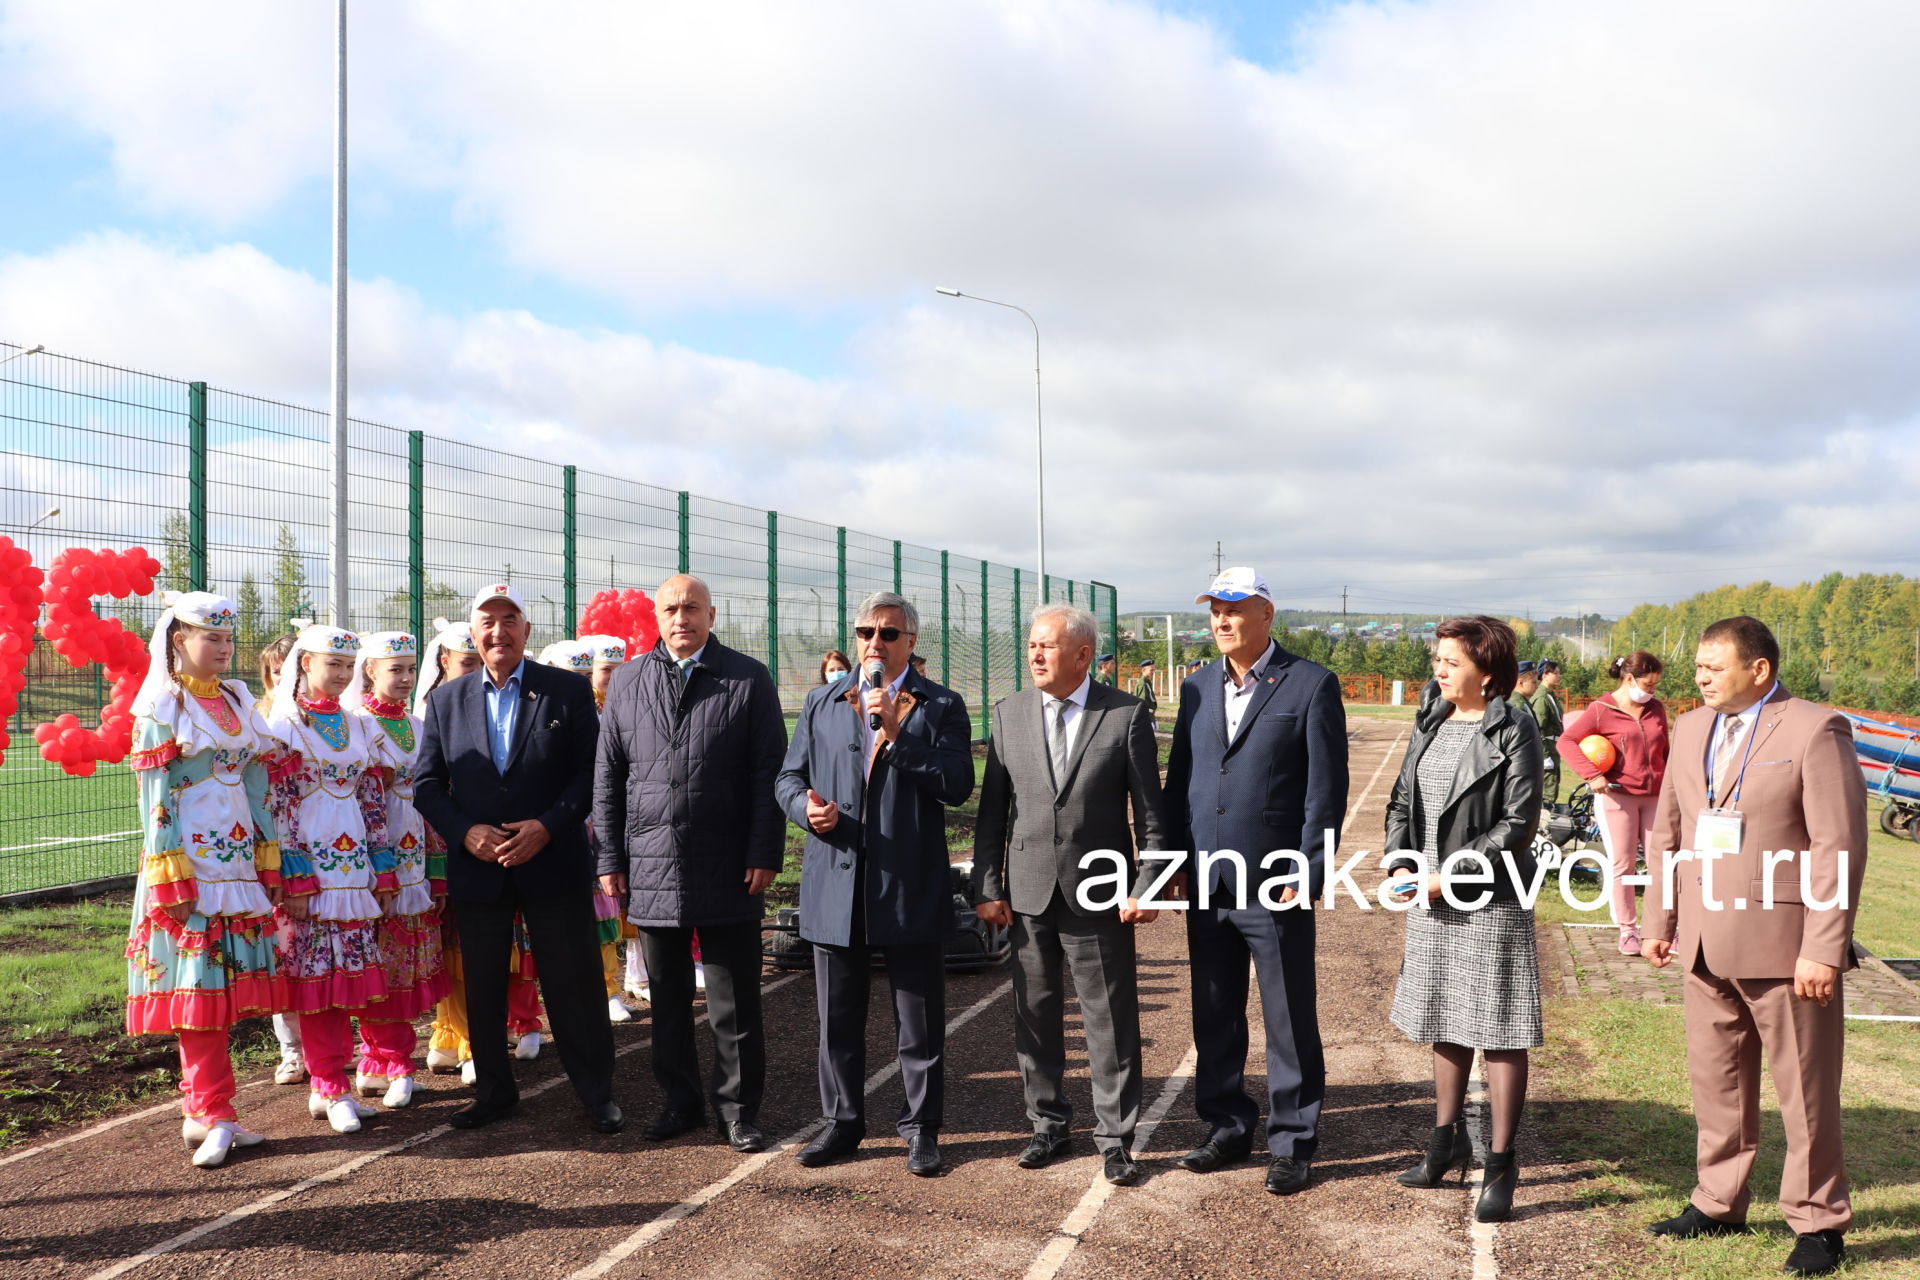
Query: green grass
{"x": 38, "y": 803}
{"x": 1613, "y": 1080}
{"x": 61, "y": 969}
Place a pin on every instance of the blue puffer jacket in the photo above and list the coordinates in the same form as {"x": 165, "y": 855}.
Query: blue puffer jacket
{"x": 687, "y": 780}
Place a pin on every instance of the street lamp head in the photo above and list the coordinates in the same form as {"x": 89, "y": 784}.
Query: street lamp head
{"x": 951, "y": 293}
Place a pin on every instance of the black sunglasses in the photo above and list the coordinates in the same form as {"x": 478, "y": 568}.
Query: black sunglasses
{"x": 888, "y": 634}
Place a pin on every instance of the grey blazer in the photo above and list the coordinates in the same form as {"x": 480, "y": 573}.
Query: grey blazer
{"x": 1031, "y": 833}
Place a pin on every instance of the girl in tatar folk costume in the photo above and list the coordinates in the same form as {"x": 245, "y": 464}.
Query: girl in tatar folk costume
{"x": 201, "y": 955}
{"x": 337, "y": 870}
{"x": 410, "y": 949}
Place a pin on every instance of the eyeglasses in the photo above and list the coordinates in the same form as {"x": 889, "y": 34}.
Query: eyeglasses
{"x": 887, "y": 634}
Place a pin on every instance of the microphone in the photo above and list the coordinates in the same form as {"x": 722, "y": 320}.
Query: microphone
{"x": 876, "y": 679}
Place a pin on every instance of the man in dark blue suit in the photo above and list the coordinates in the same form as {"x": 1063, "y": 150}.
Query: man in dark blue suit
{"x": 506, "y": 779}
{"x": 1259, "y": 764}
{"x": 869, "y": 774}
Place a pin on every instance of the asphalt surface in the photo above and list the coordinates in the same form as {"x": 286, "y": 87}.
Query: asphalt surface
{"x": 541, "y": 1195}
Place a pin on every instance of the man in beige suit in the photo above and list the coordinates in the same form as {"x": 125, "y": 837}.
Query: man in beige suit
{"x": 1764, "y": 931}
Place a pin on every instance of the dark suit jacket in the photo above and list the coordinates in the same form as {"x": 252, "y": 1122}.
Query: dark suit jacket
{"x": 549, "y": 776}
{"x": 897, "y": 822}
{"x": 1280, "y": 784}
{"x": 1032, "y": 829}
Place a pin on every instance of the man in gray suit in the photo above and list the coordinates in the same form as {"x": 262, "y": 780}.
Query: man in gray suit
{"x": 1066, "y": 759}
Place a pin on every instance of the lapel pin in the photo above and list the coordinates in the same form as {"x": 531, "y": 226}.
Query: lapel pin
{"x": 553, "y": 724}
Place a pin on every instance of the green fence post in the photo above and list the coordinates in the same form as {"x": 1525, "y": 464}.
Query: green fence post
{"x": 773, "y": 596}
{"x": 946, "y": 628}
{"x": 197, "y": 486}
{"x": 569, "y": 586}
{"x": 686, "y": 533}
{"x": 896, "y": 566}
{"x": 417, "y": 534}
{"x": 1019, "y": 630}
{"x": 986, "y": 665}
{"x": 1113, "y": 622}
{"x": 841, "y": 539}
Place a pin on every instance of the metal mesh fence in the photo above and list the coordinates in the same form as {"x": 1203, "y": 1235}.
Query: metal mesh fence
{"x": 230, "y": 492}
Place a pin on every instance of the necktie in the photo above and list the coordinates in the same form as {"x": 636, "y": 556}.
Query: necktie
{"x": 686, "y": 670}
{"x": 1724, "y": 757}
{"x": 1057, "y": 744}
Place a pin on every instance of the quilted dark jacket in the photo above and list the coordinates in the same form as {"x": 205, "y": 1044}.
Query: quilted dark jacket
{"x": 683, "y": 790}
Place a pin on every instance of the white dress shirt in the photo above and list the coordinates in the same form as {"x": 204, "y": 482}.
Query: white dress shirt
{"x": 1751, "y": 719}
{"x": 1076, "y": 711}
{"x": 1240, "y": 694}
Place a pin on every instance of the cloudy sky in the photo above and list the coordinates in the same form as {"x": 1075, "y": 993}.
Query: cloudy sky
{"x": 1511, "y": 304}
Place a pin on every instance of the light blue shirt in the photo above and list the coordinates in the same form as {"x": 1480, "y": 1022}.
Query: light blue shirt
{"x": 503, "y": 709}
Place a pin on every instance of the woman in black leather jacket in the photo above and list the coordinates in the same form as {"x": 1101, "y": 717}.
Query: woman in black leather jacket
{"x": 1470, "y": 786}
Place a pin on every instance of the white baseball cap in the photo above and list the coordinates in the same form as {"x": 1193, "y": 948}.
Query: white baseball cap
{"x": 1237, "y": 583}
{"x": 498, "y": 591}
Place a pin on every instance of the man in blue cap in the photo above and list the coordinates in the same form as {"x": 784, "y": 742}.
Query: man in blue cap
{"x": 1259, "y": 763}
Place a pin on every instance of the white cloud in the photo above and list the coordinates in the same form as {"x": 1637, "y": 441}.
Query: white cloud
{"x": 1613, "y": 287}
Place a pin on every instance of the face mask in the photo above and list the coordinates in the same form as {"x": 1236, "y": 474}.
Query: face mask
{"x": 834, "y": 674}
{"x": 1636, "y": 694}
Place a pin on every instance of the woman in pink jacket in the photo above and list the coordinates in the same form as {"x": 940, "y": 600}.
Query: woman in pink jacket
{"x": 1635, "y": 722}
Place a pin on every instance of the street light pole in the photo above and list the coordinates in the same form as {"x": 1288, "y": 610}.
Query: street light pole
{"x": 337, "y": 533}
{"x": 1039, "y": 434}
{"x": 34, "y": 350}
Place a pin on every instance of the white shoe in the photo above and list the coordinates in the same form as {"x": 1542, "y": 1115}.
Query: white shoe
{"x": 528, "y": 1048}
{"x": 467, "y": 1074}
{"x": 343, "y": 1115}
{"x": 617, "y": 1010}
{"x": 212, "y": 1151}
{"x": 442, "y": 1061}
{"x": 369, "y": 1086}
{"x": 399, "y": 1093}
{"x": 700, "y": 977}
{"x": 193, "y": 1133}
{"x": 318, "y": 1105}
{"x": 290, "y": 1069}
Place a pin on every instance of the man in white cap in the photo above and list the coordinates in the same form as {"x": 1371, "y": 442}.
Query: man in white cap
{"x": 1259, "y": 764}
{"x": 506, "y": 778}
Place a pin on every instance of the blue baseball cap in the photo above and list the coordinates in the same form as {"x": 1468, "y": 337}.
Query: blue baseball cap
{"x": 1237, "y": 583}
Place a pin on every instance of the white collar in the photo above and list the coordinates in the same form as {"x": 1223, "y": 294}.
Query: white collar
{"x": 1253, "y": 672}
{"x": 1078, "y": 697}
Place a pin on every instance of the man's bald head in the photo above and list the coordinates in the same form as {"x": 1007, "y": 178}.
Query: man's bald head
{"x": 684, "y": 608}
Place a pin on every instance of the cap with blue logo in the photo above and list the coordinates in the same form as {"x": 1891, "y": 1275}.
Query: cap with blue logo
{"x": 1237, "y": 583}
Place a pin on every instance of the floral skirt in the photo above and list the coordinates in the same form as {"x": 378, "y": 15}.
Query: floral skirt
{"x": 415, "y": 964}
{"x": 204, "y": 975}
{"x": 332, "y": 964}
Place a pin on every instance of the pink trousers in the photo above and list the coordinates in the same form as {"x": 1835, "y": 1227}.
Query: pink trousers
{"x": 1626, "y": 822}
{"x": 386, "y": 1048}
{"x": 326, "y": 1045}
{"x": 206, "y": 1076}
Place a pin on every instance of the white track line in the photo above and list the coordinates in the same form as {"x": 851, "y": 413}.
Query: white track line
{"x": 1483, "y": 1234}
{"x": 103, "y": 1127}
{"x": 672, "y": 1217}
{"x": 60, "y": 840}
{"x": 340, "y": 1171}
{"x": 1066, "y": 1236}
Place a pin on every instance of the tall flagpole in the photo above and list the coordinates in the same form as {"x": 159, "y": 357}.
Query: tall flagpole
{"x": 337, "y": 536}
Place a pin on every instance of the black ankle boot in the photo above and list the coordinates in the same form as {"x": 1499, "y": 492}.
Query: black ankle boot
{"x": 1496, "y": 1188}
{"x": 1448, "y": 1148}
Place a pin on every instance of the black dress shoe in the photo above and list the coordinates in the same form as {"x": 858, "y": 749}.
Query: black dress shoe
{"x": 1212, "y": 1154}
{"x": 834, "y": 1143}
{"x": 606, "y": 1117}
{"x": 1041, "y": 1151}
{"x": 742, "y": 1135}
{"x": 923, "y": 1155}
{"x": 1497, "y": 1182}
{"x": 481, "y": 1114}
{"x": 1690, "y": 1224}
{"x": 1286, "y": 1175}
{"x": 1815, "y": 1253}
{"x": 1448, "y": 1148}
{"x": 1121, "y": 1169}
{"x": 675, "y": 1121}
